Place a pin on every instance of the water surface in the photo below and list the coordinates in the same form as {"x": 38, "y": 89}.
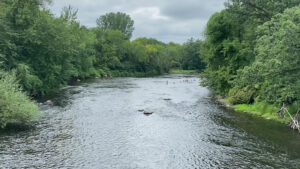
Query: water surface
{"x": 98, "y": 125}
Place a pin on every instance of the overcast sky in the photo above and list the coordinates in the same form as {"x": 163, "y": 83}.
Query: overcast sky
{"x": 165, "y": 20}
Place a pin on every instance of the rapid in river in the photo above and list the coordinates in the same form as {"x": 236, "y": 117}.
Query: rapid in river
{"x": 98, "y": 125}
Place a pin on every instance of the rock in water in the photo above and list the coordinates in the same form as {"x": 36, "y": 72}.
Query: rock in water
{"x": 147, "y": 113}
{"x": 49, "y": 102}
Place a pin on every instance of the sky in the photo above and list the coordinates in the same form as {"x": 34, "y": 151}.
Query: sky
{"x": 165, "y": 20}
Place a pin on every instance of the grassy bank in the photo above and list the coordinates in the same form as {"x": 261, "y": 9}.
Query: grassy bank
{"x": 261, "y": 109}
{"x": 180, "y": 71}
{"x": 264, "y": 110}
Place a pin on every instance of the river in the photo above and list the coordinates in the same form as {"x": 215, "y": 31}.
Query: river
{"x": 97, "y": 125}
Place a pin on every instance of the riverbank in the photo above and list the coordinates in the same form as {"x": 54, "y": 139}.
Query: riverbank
{"x": 118, "y": 73}
{"x": 266, "y": 111}
{"x": 180, "y": 71}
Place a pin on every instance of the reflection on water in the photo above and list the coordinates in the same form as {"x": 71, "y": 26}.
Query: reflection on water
{"x": 97, "y": 125}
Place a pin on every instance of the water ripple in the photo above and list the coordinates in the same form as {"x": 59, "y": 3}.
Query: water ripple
{"x": 98, "y": 125}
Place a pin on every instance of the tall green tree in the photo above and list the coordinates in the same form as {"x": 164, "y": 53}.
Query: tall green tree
{"x": 110, "y": 48}
{"x": 223, "y": 52}
{"x": 117, "y": 21}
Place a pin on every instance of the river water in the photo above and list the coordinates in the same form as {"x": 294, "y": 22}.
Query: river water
{"x": 97, "y": 125}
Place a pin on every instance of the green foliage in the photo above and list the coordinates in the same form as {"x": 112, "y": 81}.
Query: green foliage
{"x": 174, "y": 52}
{"x": 261, "y": 10}
{"x": 110, "y": 48}
{"x": 252, "y": 51}
{"x": 46, "y": 51}
{"x": 224, "y": 51}
{"x": 244, "y": 95}
{"x": 190, "y": 53}
{"x": 29, "y": 81}
{"x": 117, "y": 21}
{"x": 151, "y": 55}
{"x": 276, "y": 70}
{"x": 15, "y": 106}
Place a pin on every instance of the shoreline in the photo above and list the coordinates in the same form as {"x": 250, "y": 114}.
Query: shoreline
{"x": 273, "y": 116}
{"x": 181, "y": 71}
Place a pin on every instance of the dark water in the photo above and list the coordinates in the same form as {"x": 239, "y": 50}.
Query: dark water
{"x": 97, "y": 125}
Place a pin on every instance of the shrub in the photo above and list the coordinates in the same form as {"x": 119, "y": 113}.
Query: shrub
{"x": 244, "y": 95}
{"x": 15, "y": 106}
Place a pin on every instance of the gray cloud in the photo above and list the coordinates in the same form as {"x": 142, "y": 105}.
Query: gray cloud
{"x": 191, "y": 9}
{"x": 164, "y": 20}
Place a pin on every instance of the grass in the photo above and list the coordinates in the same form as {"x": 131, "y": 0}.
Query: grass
{"x": 180, "y": 71}
{"x": 262, "y": 109}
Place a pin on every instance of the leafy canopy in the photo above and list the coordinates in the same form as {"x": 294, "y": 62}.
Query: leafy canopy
{"x": 117, "y": 21}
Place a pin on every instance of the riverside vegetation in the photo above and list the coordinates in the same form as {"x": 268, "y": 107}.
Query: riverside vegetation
{"x": 39, "y": 53}
{"x": 252, "y": 52}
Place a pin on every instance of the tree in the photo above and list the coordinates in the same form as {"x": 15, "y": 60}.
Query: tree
{"x": 174, "y": 51}
{"x": 117, "y": 21}
{"x": 276, "y": 70}
{"x": 155, "y": 56}
{"x": 222, "y": 51}
{"x": 17, "y": 17}
{"x": 110, "y": 48}
{"x": 191, "y": 55}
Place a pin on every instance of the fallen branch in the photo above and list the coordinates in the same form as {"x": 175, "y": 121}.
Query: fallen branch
{"x": 294, "y": 124}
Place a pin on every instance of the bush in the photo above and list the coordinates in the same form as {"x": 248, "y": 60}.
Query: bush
{"x": 244, "y": 95}
{"x": 15, "y": 106}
